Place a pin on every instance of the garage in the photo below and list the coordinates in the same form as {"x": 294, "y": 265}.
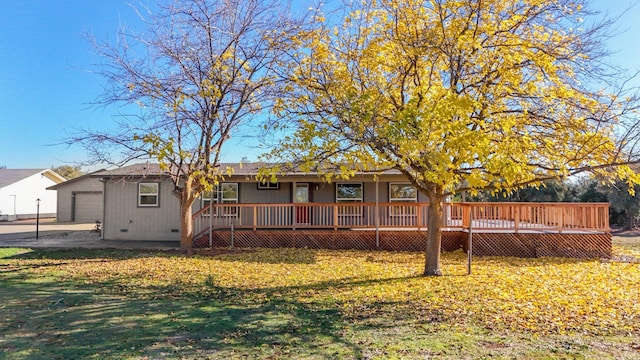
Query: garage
{"x": 80, "y": 199}
{"x": 87, "y": 207}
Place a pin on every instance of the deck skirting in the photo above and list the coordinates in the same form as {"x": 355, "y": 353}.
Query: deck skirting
{"x": 587, "y": 245}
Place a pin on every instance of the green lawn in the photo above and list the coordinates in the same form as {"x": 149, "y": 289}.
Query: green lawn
{"x": 315, "y": 304}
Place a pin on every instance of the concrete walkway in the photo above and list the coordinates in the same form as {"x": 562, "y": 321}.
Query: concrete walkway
{"x": 68, "y": 235}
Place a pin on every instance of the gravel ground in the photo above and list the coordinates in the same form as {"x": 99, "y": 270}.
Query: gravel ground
{"x": 68, "y": 237}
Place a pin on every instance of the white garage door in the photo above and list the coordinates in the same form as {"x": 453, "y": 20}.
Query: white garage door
{"x": 88, "y": 208}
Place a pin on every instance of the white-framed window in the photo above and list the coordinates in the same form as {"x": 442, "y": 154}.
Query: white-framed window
{"x": 402, "y": 192}
{"x": 349, "y": 193}
{"x": 228, "y": 194}
{"x": 207, "y": 198}
{"x": 224, "y": 193}
{"x": 268, "y": 185}
{"x": 148, "y": 194}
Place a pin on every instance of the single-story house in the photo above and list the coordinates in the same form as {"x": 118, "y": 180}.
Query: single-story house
{"x": 368, "y": 211}
{"x": 20, "y": 190}
{"x": 136, "y": 194}
{"x": 80, "y": 199}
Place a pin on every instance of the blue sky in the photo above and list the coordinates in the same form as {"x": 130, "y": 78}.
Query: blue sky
{"x": 46, "y": 82}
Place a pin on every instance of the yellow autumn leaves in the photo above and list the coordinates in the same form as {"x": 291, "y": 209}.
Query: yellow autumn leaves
{"x": 538, "y": 296}
{"x": 486, "y": 94}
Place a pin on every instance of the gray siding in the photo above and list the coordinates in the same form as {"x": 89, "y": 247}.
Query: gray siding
{"x": 66, "y": 193}
{"x": 422, "y": 197}
{"x": 250, "y": 194}
{"x": 325, "y": 193}
{"x": 124, "y": 220}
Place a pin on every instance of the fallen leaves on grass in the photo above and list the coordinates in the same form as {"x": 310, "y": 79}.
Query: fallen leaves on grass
{"x": 540, "y": 296}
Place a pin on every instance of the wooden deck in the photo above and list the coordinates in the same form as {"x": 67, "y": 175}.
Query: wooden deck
{"x": 578, "y": 230}
{"x": 487, "y": 217}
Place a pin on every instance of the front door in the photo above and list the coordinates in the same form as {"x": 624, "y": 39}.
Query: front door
{"x": 301, "y": 199}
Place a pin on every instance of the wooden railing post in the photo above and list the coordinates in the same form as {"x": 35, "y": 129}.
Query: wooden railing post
{"x": 210, "y": 230}
{"x": 335, "y": 217}
{"x": 464, "y": 215}
{"x": 516, "y": 217}
{"x": 255, "y": 217}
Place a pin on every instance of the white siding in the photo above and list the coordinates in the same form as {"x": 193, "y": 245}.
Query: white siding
{"x": 26, "y": 192}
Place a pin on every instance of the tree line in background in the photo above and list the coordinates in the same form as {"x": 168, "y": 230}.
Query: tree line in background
{"x": 68, "y": 171}
{"x": 624, "y": 210}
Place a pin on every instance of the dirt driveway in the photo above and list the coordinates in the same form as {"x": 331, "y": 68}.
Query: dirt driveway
{"x": 25, "y": 229}
{"x": 52, "y": 234}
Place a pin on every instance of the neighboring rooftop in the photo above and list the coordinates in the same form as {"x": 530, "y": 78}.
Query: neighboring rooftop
{"x": 10, "y": 176}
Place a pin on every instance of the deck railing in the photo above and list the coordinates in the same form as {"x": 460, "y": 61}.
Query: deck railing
{"x": 513, "y": 217}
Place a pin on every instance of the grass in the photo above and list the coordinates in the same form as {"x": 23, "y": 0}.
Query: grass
{"x": 315, "y": 304}
{"x": 627, "y": 245}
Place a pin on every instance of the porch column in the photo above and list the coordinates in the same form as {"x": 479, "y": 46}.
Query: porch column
{"x": 211, "y": 222}
{"x": 377, "y": 214}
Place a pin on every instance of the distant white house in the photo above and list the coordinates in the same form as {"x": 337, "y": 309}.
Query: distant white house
{"x": 21, "y": 188}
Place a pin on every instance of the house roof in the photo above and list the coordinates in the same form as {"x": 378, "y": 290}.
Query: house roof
{"x": 154, "y": 170}
{"x": 238, "y": 169}
{"x": 10, "y": 176}
{"x": 132, "y": 170}
{"x": 71, "y": 181}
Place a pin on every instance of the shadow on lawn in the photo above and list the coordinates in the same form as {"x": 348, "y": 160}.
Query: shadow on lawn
{"x": 50, "y": 318}
{"x": 47, "y": 317}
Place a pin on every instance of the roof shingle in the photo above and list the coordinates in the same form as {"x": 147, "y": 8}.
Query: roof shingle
{"x": 10, "y": 176}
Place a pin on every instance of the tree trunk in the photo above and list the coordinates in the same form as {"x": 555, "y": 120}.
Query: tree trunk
{"x": 186, "y": 223}
{"x": 186, "y": 228}
{"x": 434, "y": 236}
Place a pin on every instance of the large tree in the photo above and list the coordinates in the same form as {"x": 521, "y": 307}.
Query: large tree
{"x": 201, "y": 69}
{"x": 68, "y": 171}
{"x": 458, "y": 95}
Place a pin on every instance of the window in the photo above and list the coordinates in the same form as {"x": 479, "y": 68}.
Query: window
{"x": 349, "y": 193}
{"x": 402, "y": 192}
{"x": 268, "y": 185}
{"x": 225, "y": 193}
{"x": 228, "y": 195}
{"x": 206, "y": 198}
{"x": 148, "y": 194}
